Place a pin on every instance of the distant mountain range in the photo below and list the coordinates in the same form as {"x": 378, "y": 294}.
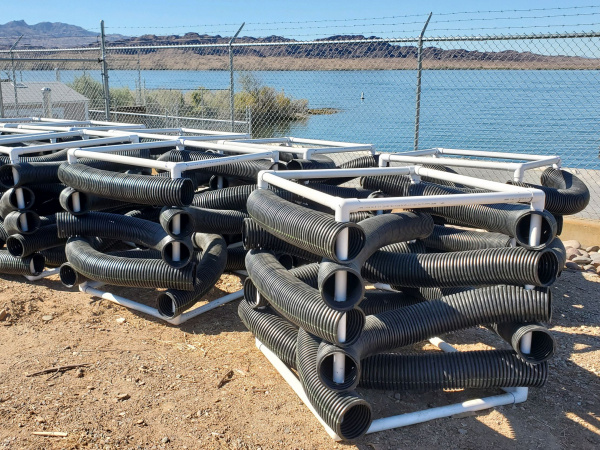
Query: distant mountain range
{"x": 334, "y": 54}
{"x": 48, "y": 34}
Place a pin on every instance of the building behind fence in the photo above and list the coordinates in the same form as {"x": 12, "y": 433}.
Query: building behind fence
{"x": 533, "y": 92}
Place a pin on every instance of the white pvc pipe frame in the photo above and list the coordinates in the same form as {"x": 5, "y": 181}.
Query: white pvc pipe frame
{"x": 431, "y": 156}
{"x": 501, "y": 193}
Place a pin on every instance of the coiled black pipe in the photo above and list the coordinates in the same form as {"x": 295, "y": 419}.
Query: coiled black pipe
{"x": 448, "y": 239}
{"x": 310, "y": 230}
{"x": 235, "y": 259}
{"x": 510, "y": 219}
{"x": 346, "y": 413}
{"x": 397, "y": 328}
{"x": 543, "y": 344}
{"x": 256, "y": 237}
{"x": 227, "y": 198}
{"x": 217, "y": 221}
{"x": 13, "y": 223}
{"x": 22, "y": 245}
{"x": 8, "y": 201}
{"x": 379, "y": 231}
{"x": 144, "y": 189}
{"x": 30, "y": 265}
{"x": 298, "y": 302}
{"x": 490, "y": 266}
{"x": 460, "y": 370}
{"x": 123, "y": 271}
{"x": 54, "y": 256}
{"x": 87, "y": 202}
{"x": 565, "y": 193}
{"x": 125, "y": 228}
{"x": 210, "y": 267}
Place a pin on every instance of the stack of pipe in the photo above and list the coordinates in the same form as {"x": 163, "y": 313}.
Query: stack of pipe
{"x": 319, "y": 319}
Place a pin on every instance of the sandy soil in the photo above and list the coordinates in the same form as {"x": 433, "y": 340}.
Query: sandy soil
{"x": 205, "y": 385}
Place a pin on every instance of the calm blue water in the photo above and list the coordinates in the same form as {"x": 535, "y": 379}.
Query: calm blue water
{"x": 542, "y": 112}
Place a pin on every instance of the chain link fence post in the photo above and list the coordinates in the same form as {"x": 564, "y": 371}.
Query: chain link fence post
{"x": 231, "y": 91}
{"x": 419, "y": 70}
{"x": 104, "y": 71}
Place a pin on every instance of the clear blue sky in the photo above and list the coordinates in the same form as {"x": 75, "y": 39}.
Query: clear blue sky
{"x": 135, "y": 17}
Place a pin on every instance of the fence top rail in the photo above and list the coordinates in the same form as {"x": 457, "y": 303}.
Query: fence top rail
{"x": 415, "y": 40}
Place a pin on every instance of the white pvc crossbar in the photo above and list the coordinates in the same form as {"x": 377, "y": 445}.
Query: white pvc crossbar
{"x": 501, "y": 193}
{"x": 432, "y": 156}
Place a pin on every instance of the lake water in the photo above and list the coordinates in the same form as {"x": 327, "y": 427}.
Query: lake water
{"x": 542, "y": 112}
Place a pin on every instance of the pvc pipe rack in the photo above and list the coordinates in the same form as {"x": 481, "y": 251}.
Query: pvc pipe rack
{"x": 432, "y": 156}
{"x": 501, "y": 193}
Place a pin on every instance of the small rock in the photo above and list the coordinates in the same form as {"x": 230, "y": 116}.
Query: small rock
{"x": 593, "y": 248}
{"x": 3, "y": 315}
{"x": 47, "y": 318}
{"x": 572, "y": 253}
{"x": 121, "y": 320}
{"x": 141, "y": 422}
{"x": 397, "y": 396}
{"x": 581, "y": 260}
{"x": 584, "y": 254}
{"x": 594, "y": 255}
{"x": 596, "y": 262}
{"x": 165, "y": 440}
{"x": 589, "y": 267}
{"x": 572, "y": 266}
{"x": 79, "y": 373}
{"x": 462, "y": 431}
{"x": 572, "y": 244}
{"x": 123, "y": 397}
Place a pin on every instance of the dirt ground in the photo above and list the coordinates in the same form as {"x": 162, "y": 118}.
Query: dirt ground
{"x": 205, "y": 385}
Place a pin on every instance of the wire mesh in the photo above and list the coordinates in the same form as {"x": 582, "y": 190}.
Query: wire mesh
{"x": 531, "y": 93}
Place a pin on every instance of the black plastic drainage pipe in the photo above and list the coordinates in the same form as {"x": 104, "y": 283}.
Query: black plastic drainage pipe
{"x": 448, "y": 239}
{"x": 8, "y": 201}
{"x": 210, "y": 267}
{"x": 87, "y": 202}
{"x": 124, "y": 271}
{"x": 22, "y": 245}
{"x": 125, "y": 228}
{"x": 298, "y": 302}
{"x": 30, "y": 265}
{"x": 217, "y": 221}
{"x": 144, "y": 189}
{"x": 543, "y": 345}
{"x": 13, "y": 224}
{"x": 310, "y": 230}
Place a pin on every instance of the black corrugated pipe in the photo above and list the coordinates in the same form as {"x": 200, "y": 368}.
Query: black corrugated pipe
{"x": 316, "y": 162}
{"x": 30, "y": 265}
{"x": 298, "y": 302}
{"x": 211, "y": 264}
{"x": 235, "y": 259}
{"x": 13, "y": 224}
{"x": 543, "y": 345}
{"x": 54, "y": 256}
{"x": 186, "y": 223}
{"x": 256, "y": 237}
{"x": 123, "y": 271}
{"x": 227, "y": 198}
{"x": 448, "y": 239}
{"x": 8, "y": 201}
{"x": 69, "y": 276}
{"x": 3, "y": 234}
{"x": 253, "y": 299}
{"x": 221, "y": 221}
{"x": 425, "y": 293}
{"x": 379, "y": 231}
{"x": 361, "y": 162}
{"x": 346, "y": 413}
{"x": 397, "y": 328}
{"x": 87, "y": 202}
{"x": 313, "y": 231}
{"x": 125, "y": 228}
{"x": 60, "y": 155}
{"x": 308, "y": 274}
{"x": 510, "y": 219}
{"x": 490, "y": 266}
{"x": 565, "y": 193}
{"x": 144, "y": 189}
{"x": 151, "y": 213}
{"x": 376, "y": 301}
{"x": 22, "y": 245}
{"x": 461, "y": 370}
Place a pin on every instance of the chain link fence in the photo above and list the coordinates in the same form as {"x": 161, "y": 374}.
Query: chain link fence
{"x": 528, "y": 93}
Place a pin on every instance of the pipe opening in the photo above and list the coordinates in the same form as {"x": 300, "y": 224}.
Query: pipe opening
{"x": 355, "y": 290}
{"x": 187, "y": 191}
{"x": 185, "y": 254}
{"x": 186, "y": 224}
{"x": 356, "y": 240}
{"x": 15, "y": 246}
{"x": 166, "y": 305}
{"x": 286, "y": 260}
{"x": 32, "y": 219}
{"x": 7, "y": 179}
{"x": 68, "y": 276}
{"x": 351, "y": 371}
{"x": 37, "y": 264}
{"x": 522, "y": 231}
{"x": 28, "y": 198}
{"x": 547, "y": 267}
{"x": 84, "y": 203}
{"x": 355, "y": 421}
{"x": 543, "y": 347}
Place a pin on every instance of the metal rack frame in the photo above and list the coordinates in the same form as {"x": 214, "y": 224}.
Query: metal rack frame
{"x": 501, "y": 193}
